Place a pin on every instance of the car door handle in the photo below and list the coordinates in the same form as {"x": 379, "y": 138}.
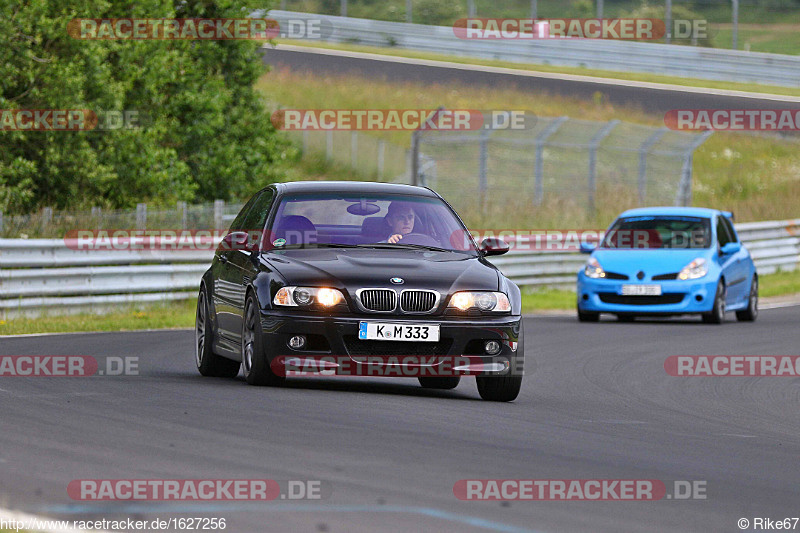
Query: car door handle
{"x": 223, "y": 259}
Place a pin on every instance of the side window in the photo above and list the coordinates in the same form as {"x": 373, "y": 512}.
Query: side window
{"x": 257, "y": 216}
{"x": 238, "y": 222}
{"x": 730, "y": 229}
{"x": 723, "y": 237}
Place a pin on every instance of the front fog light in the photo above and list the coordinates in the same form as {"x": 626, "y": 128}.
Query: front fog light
{"x": 492, "y": 347}
{"x": 297, "y": 342}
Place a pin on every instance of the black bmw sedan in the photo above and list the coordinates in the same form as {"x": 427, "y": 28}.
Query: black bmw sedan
{"x": 352, "y": 278}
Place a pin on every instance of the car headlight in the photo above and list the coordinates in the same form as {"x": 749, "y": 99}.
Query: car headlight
{"x": 485, "y": 301}
{"x": 696, "y": 269}
{"x": 593, "y": 269}
{"x": 307, "y": 296}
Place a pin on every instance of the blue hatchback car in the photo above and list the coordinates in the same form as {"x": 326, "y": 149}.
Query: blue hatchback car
{"x": 661, "y": 261}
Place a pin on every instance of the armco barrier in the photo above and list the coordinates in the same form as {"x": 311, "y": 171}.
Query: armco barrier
{"x": 624, "y": 56}
{"x": 46, "y": 275}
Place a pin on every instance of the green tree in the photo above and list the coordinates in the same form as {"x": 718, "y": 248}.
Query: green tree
{"x": 206, "y": 135}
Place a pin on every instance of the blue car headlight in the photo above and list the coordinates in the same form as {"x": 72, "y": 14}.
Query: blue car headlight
{"x": 694, "y": 270}
{"x": 593, "y": 269}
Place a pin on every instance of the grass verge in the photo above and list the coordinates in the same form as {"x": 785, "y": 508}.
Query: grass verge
{"x": 154, "y": 316}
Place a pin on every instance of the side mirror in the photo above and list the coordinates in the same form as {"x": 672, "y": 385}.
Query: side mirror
{"x": 240, "y": 240}
{"x": 587, "y": 248}
{"x": 730, "y": 248}
{"x": 493, "y": 246}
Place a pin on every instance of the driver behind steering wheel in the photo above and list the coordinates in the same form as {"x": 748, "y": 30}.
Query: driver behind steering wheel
{"x": 401, "y": 220}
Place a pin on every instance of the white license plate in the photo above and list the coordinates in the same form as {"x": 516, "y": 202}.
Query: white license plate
{"x": 385, "y": 331}
{"x": 641, "y": 290}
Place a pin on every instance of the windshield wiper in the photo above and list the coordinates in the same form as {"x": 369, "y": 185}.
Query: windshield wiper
{"x": 315, "y": 245}
{"x": 405, "y": 245}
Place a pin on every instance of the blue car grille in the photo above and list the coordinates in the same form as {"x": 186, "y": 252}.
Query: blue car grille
{"x": 664, "y": 299}
{"x": 664, "y": 277}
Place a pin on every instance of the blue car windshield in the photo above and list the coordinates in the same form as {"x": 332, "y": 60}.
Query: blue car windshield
{"x": 313, "y": 220}
{"x": 658, "y": 232}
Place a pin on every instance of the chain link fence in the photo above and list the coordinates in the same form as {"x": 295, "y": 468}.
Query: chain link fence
{"x": 559, "y": 164}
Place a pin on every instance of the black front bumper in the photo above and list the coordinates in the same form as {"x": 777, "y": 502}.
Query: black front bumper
{"x": 335, "y": 338}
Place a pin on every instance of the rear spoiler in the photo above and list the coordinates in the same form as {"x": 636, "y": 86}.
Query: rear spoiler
{"x": 729, "y": 214}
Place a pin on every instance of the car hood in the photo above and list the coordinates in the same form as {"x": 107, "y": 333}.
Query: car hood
{"x": 651, "y": 262}
{"x": 353, "y": 269}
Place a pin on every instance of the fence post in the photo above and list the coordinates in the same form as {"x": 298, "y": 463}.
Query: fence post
{"x": 381, "y": 155}
{"x": 684, "y": 194}
{"x": 182, "y": 211}
{"x": 1, "y": 222}
{"x": 328, "y": 145}
{"x": 594, "y": 144}
{"x": 538, "y": 173}
{"x": 305, "y": 142}
{"x": 354, "y": 149}
{"x": 483, "y": 159}
{"x": 408, "y": 12}
{"x": 141, "y": 216}
{"x": 219, "y": 211}
{"x": 643, "y": 149}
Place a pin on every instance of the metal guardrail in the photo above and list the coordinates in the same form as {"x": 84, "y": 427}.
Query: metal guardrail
{"x": 625, "y": 56}
{"x": 47, "y": 275}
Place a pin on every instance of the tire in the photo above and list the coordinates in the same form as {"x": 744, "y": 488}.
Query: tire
{"x": 626, "y": 318}
{"x": 443, "y": 383}
{"x": 717, "y": 313}
{"x": 587, "y": 316}
{"x": 504, "y": 388}
{"x": 208, "y": 363}
{"x": 751, "y": 313}
{"x": 255, "y": 365}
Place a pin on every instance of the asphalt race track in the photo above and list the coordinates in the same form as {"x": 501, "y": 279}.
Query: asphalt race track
{"x": 599, "y": 406}
{"x": 652, "y": 98}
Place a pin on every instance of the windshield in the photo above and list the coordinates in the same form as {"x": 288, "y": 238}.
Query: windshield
{"x": 378, "y": 221}
{"x": 635, "y": 233}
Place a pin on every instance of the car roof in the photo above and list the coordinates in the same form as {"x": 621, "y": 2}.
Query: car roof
{"x": 352, "y": 187}
{"x": 671, "y": 210}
